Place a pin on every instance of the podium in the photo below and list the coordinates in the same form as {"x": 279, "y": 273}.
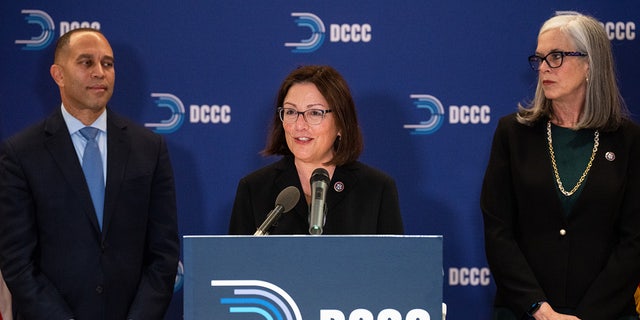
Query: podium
{"x": 313, "y": 277}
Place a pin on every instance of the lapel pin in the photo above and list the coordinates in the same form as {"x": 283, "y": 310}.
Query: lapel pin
{"x": 610, "y": 156}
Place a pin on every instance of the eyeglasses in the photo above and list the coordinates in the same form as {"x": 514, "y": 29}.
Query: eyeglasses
{"x": 311, "y": 116}
{"x": 554, "y": 59}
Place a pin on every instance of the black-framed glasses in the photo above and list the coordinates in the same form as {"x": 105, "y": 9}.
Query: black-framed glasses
{"x": 554, "y": 59}
{"x": 311, "y": 116}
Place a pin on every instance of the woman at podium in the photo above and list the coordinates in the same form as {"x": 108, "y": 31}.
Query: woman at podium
{"x": 316, "y": 133}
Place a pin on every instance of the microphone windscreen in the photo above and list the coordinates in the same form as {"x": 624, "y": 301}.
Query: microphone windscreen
{"x": 320, "y": 174}
{"x": 288, "y": 198}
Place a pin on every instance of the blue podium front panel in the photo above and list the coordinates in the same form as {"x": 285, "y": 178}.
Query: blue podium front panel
{"x": 313, "y": 277}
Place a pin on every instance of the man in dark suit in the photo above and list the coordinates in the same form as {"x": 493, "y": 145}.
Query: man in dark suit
{"x": 60, "y": 256}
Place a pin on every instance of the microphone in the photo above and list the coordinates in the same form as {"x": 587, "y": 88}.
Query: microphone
{"x": 286, "y": 200}
{"x": 319, "y": 184}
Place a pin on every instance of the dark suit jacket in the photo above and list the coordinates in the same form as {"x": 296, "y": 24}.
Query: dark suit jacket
{"x": 588, "y": 261}
{"x": 367, "y": 205}
{"x": 56, "y": 261}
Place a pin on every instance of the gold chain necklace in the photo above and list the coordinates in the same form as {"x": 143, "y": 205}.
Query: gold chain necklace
{"x": 596, "y": 142}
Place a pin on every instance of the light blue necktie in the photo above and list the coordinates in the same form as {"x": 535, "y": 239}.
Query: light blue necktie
{"x": 93, "y": 172}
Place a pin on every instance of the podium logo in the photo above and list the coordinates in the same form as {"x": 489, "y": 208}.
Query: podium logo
{"x": 179, "y": 282}
{"x": 260, "y": 298}
{"x": 47, "y": 27}
{"x": 364, "y": 314}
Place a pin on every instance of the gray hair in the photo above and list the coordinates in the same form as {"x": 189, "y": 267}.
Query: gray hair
{"x": 604, "y": 107}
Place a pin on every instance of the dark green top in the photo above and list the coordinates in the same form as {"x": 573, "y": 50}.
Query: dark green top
{"x": 572, "y": 150}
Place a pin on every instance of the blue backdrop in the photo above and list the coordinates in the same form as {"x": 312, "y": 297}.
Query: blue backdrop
{"x": 430, "y": 80}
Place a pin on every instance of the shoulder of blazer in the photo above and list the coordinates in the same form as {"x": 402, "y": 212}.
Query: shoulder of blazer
{"x": 51, "y": 128}
{"x": 55, "y": 123}
{"x": 123, "y": 128}
{"x": 360, "y": 169}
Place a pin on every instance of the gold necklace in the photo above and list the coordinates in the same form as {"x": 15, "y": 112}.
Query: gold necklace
{"x": 596, "y": 142}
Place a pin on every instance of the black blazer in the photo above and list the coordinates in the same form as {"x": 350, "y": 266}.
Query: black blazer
{"x": 368, "y": 204}
{"x": 56, "y": 261}
{"x": 587, "y": 261}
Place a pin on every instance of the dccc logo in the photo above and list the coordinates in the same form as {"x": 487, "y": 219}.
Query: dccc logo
{"x": 435, "y": 110}
{"x": 463, "y": 115}
{"x": 345, "y": 32}
{"x": 45, "y": 22}
{"x": 316, "y": 39}
{"x": 167, "y": 100}
{"x": 206, "y": 114}
{"x": 259, "y": 297}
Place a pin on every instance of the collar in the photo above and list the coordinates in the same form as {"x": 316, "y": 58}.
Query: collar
{"x": 75, "y": 125}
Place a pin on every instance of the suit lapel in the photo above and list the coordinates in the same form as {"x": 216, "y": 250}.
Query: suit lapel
{"x": 58, "y": 143}
{"x": 288, "y": 176}
{"x": 118, "y": 148}
{"x": 603, "y": 172}
{"x": 343, "y": 181}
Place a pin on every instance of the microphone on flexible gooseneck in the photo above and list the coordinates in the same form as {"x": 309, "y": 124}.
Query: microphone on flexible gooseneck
{"x": 318, "y": 210}
{"x": 286, "y": 200}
